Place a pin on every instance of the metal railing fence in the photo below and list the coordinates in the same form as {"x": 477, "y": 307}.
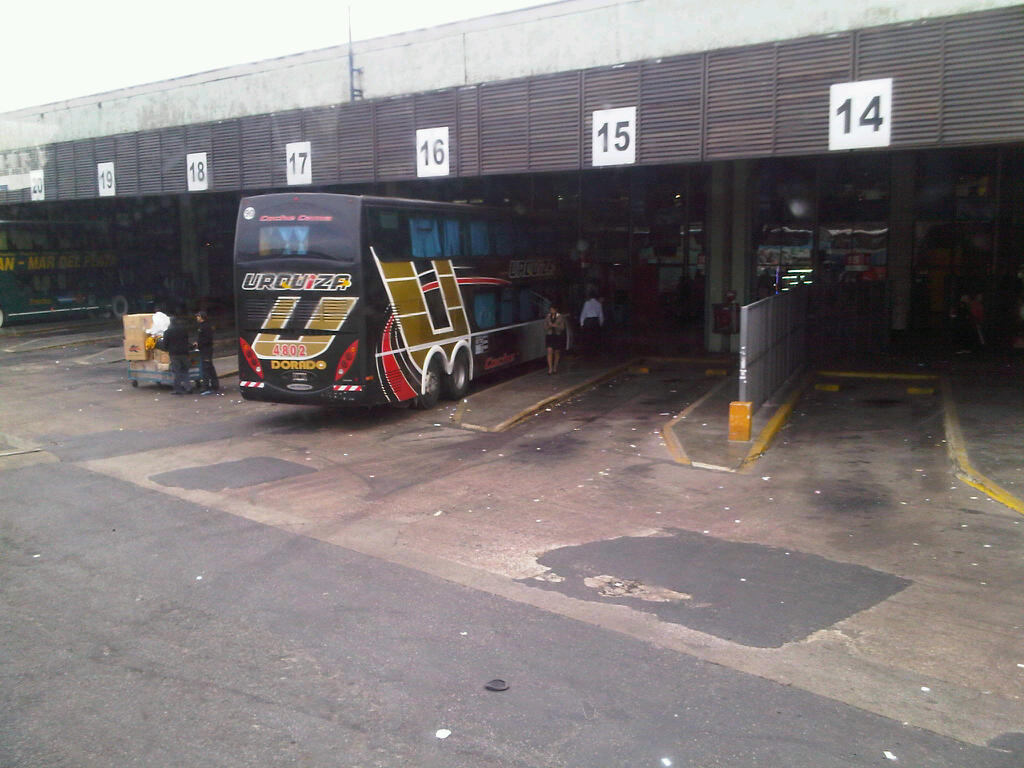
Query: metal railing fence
{"x": 772, "y": 344}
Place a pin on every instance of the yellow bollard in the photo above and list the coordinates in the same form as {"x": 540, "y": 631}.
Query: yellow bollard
{"x": 740, "y": 414}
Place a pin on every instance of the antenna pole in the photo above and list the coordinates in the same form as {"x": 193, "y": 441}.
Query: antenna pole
{"x": 353, "y": 92}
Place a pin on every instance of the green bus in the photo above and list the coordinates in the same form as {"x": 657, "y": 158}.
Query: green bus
{"x": 53, "y": 269}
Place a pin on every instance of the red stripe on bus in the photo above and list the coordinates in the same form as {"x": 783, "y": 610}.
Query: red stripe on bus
{"x": 392, "y": 372}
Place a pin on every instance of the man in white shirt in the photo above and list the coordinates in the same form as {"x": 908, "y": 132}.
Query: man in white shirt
{"x": 591, "y": 322}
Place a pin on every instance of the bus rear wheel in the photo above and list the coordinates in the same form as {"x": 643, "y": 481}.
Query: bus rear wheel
{"x": 432, "y": 383}
{"x": 456, "y": 384}
{"x": 119, "y": 306}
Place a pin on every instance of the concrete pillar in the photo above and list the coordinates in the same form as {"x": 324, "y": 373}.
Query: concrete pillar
{"x": 742, "y": 242}
{"x": 729, "y": 257}
{"x": 192, "y": 262}
{"x": 901, "y": 239}
{"x": 719, "y": 240}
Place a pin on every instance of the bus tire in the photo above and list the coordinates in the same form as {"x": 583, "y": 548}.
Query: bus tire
{"x": 456, "y": 383}
{"x": 119, "y": 306}
{"x": 433, "y": 378}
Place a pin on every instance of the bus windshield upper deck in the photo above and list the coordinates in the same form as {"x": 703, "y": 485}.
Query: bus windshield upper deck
{"x": 362, "y": 300}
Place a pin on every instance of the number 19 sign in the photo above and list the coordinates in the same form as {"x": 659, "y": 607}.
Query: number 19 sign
{"x": 860, "y": 114}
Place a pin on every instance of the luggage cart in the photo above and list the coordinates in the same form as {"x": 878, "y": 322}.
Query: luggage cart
{"x": 155, "y": 372}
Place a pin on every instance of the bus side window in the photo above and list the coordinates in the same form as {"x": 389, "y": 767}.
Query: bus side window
{"x": 452, "y": 232}
{"x": 387, "y": 237}
{"x": 479, "y": 238}
{"x": 425, "y": 237}
{"x": 21, "y": 239}
{"x": 531, "y": 305}
{"x": 504, "y": 238}
{"x": 484, "y": 309}
{"x": 509, "y": 306}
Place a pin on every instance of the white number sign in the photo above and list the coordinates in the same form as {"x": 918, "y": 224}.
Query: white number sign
{"x": 37, "y": 182}
{"x": 614, "y": 137}
{"x": 432, "y": 152}
{"x": 197, "y": 172}
{"x": 860, "y": 114}
{"x": 299, "y": 163}
{"x": 105, "y": 179}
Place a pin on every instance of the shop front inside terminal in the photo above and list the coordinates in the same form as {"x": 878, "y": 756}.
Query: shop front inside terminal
{"x": 887, "y": 244}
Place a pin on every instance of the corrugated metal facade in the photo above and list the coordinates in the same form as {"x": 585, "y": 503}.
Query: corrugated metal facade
{"x": 958, "y": 80}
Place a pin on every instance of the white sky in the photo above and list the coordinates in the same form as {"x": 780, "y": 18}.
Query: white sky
{"x": 59, "y": 49}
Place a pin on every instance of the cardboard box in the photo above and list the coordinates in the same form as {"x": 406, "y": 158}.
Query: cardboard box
{"x": 135, "y": 335}
{"x": 160, "y": 356}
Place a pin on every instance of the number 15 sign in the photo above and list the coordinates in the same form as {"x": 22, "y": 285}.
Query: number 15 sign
{"x": 860, "y": 114}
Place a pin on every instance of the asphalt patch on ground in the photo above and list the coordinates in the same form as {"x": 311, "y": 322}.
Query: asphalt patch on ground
{"x": 750, "y": 594}
{"x": 232, "y": 474}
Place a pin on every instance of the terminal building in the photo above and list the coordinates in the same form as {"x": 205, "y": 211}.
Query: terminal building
{"x": 702, "y": 153}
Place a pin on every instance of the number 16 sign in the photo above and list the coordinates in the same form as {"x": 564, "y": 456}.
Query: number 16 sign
{"x": 860, "y": 114}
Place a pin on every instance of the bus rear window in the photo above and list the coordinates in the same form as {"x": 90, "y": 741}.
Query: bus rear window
{"x": 306, "y": 226}
{"x": 284, "y": 241}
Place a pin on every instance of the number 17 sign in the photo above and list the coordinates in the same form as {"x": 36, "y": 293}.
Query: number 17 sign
{"x": 860, "y": 114}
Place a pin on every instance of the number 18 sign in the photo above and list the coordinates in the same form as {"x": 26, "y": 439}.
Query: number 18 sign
{"x": 860, "y": 114}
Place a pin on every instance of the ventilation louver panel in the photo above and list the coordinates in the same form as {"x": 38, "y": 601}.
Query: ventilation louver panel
{"x": 126, "y": 152}
{"x": 555, "y": 122}
{"x": 226, "y": 158}
{"x": 65, "y": 171}
{"x": 256, "y": 152}
{"x": 805, "y": 71}
{"x": 172, "y": 153}
{"x": 670, "y": 115}
{"x": 984, "y": 94}
{"x": 504, "y": 127}
{"x": 740, "y": 102}
{"x": 395, "y": 139}
{"x": 912, "y": 57}
{"x": 467, "y": 140}
{"x": 86, "y": 184}
{"x": 149, "y": 162}
{"x": 355, "y": 142}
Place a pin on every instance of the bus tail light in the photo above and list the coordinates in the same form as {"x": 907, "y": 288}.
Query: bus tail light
{"x": 346, "y": 360}
{"x": 250, "y": 357}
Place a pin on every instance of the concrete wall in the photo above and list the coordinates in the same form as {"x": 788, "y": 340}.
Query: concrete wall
{"x": 574, "y": 34}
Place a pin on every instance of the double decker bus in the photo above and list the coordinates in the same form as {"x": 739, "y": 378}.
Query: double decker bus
{"x": 354, "y": 300}
{"x": 57, "y": 268}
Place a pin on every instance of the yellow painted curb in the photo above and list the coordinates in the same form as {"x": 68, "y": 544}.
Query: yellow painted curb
{"x": 958, "y": 455}
{"x": 875, "y": 375}
{"x": 561, "y": 395}
{"x": 668, "y": 433}
{"x": 774, "y": 425}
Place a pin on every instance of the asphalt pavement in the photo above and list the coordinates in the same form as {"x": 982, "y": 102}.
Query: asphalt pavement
{"x": 210, "y": 580}
{"x": 155, "y": 632}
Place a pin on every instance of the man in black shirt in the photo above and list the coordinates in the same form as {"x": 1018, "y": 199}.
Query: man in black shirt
{"x": 204, "y": 343}
{"x": 175, "y": 341}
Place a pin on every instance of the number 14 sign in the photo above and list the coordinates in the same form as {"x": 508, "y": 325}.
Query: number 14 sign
{"x": 860, "y": 114}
